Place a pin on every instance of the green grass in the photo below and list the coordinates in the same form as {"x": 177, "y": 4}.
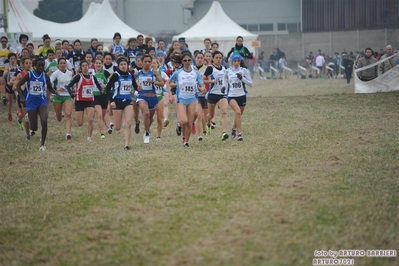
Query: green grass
{"x": 317, "y": 170}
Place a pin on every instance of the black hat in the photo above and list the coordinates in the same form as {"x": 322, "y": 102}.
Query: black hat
{"x": 121, "y": 59}
{"x": 150, "y": 49}
{"x": 182, "y": 39}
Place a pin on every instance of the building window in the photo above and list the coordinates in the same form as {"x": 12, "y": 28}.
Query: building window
{"x": 292, "y": 27}
{"x": 253, "y": 27}
{"x": 281, "y": 26}
{"x": 266, "y": 27}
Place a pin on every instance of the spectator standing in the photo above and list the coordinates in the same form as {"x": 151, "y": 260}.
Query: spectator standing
{"x": 273, "y": 61}
{"x": 251, "y": 65}
{"x": 261, "y": 58}
{"x": 320, "y": 61}
{"x": 337, "y": 62}
{"x": 309, "y": 61}
{"x": 368, "y": 59}
{"x": 388, "y": 64}
{"x": 348, "y": 64}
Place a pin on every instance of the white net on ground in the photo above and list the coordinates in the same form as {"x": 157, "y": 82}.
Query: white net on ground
{"x": 388, "y": 81}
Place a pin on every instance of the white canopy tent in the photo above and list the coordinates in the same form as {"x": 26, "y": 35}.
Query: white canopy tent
{"x": 217, "y": 26}
{"x": 94, "y": 24}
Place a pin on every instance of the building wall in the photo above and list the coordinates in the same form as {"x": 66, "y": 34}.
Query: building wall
{"x": 254, "y": 11}
{"x": 349, "y": 15}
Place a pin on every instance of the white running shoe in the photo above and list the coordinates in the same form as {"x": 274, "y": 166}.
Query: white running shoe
{"x": 42, "y": 148}
{"x": 146, "y": 138}
{"x": 89, "y": 139}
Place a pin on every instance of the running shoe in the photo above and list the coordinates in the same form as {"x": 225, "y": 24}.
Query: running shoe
{"x": 5, "y": 101}
{"x": 9, "y": 117}
{"x": 166, "y": 123}
{"x": 32, "y": 133}
{"x": 28, "y": 137}
{"x": 42, "y": 148}
{"x": 158, "y": 139}
{"x": 109, "y": 130}
{"x": 89, "y": 139}
{"x": 213, "y": 125}
{"x": 111, "y": 125}
{"x": 68, "y": 136}
{"x": 178, "y": 129}
{"x": 193, "y": 129}
{"x": 200, "y": 138}
{"x": 208, "y": 129}
{"x": 126, "y": 148}
{"x": 233, "y": 133}
{"x": 186, "y": 145}
{"x": 102, "y": 136}
{"x": 137, "y": 128}
{"x": 240, "y": 138}
{"x": 146, "y": 138}
{"x": 225, "y": 136}
{"x": 20, "y": 125}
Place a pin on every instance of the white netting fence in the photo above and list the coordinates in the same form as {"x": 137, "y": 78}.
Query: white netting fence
{"x": 389, "y": 81}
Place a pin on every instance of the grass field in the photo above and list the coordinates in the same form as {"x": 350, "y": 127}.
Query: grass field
{"x": 317, "y": 170}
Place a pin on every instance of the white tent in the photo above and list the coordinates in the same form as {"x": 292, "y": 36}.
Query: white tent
{"x": 94, "y": 24}
{"x": 217, "y": 26}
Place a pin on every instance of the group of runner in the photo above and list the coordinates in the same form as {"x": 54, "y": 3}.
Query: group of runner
{"x": 122, "y": 83}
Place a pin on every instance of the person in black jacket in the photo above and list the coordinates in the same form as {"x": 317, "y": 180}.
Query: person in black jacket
{"x": 240, "y": 49}
{"x": 76, "y": 56}
{"x": 348, "y": 64}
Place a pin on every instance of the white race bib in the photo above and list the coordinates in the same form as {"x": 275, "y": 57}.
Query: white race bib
{"x": 236, "y": 85}
{"x": 147, "y": 86}
{"x": 87, "y": 91}
{"x": 36, "y": 88}
{"x": 188, "y": 89}
{"x": 220, "y": 80}
{"x": 158, "y": 90}
{"x": 126, "y": 88}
